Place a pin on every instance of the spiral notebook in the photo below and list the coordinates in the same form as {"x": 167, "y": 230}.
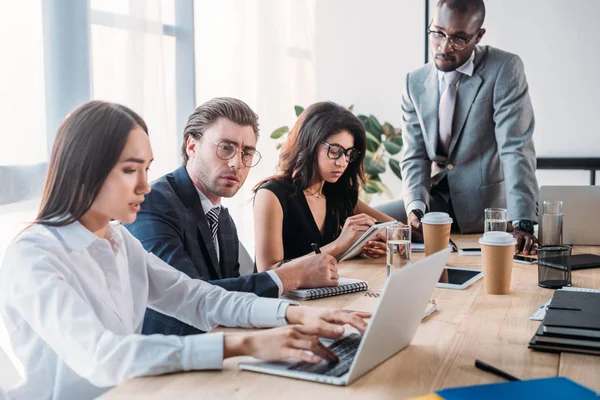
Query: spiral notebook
{"x": 345, "y": 285}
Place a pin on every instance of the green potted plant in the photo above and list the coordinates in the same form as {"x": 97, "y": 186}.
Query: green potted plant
{"x": 383, "y": 142}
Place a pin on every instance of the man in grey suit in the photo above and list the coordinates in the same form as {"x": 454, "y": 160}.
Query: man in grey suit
{"x": 182, "y": 221}
{"x": 468, "y": 125}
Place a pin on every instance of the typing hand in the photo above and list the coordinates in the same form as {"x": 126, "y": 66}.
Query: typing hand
{"x": 526, "y": 242}
{"x": 326, "y": 322}
{"x": 290, "y": 341}
{"x": 417, "y": 228}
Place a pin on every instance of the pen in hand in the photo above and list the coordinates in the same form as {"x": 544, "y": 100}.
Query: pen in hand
{"x": 488, "y": 368}
{"x": 315, "y": 248}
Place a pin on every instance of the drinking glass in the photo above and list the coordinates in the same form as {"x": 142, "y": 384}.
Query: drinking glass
{"x": 398, "y": 238}
{"x": 495, "y": 219}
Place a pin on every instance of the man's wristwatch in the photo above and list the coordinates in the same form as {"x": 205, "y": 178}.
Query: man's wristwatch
{"x": 418, "y": 213}
{"x": 524, "y": 225}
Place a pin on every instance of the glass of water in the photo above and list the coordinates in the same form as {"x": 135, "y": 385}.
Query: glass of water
{"x": 495, "y": 219}
{"x": 398, "y": 246}
{"x": 551, "y": 228}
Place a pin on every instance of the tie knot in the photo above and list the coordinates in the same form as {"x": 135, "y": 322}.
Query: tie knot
{"x": 213, "y": 214}
{"x": 452, "y": 77}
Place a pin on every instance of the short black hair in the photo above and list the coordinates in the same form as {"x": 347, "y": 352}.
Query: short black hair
{"x": 464, "y": 6}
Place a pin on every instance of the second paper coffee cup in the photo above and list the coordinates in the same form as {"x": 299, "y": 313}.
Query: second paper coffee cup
{"x": 497, "y": 250}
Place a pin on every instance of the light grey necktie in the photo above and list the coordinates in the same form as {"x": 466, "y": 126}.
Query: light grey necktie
{"x": 213, "y": 221}
{"x": 446, "y": 109}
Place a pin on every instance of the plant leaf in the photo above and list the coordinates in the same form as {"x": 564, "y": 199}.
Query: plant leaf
{"x": 383, "y": 188}
{"x": 279, "y": 146}
{"x": 299, "y": 110}
{"x": 375, "y": 126}
{"x": 388, "y": 129}
{"x": 363, "y": 119}
{"x": 279, "y": 132}
{"x": 396, "y": 139}
{"x": 371, "y": 187}
{"x": 392, "y": 147}
{"x": 374, "y": 166}
{"x": 395, "y": 167}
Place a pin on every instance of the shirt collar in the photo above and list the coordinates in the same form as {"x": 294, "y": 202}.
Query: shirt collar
{"x": 467, "y": 68}
{"x": 206, "y": 203}
{"x": 78, "y": 237}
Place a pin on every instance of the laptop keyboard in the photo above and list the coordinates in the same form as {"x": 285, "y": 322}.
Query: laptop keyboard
{"x": 345, "y": 349}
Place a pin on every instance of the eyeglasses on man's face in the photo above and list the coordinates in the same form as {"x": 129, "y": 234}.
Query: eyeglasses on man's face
{"x": 457, "y": 42}
{"x": 227, "y": 150}
{"x": 335, "y": 151}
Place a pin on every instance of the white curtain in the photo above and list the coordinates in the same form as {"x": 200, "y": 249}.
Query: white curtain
{"x": 133, "y": 63}
{"x": 262, "y": 52}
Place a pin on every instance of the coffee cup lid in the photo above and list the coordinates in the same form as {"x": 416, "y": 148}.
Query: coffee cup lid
{"x": 497, "y": 239}
{"x": 436, "y": 218}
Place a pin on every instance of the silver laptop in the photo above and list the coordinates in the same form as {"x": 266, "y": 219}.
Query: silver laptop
{"x": 390, "y": 330}
{"x": 581, "y": 212}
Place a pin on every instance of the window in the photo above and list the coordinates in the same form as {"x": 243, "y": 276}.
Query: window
{"x": 133, "y": 55}
{"x": 22, "y": 103}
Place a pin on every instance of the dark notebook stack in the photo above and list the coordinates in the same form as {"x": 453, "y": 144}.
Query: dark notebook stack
{"x": 571, "y": 324}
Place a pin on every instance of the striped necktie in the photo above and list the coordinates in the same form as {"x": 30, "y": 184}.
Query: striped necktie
{"x": 213, "y": 221}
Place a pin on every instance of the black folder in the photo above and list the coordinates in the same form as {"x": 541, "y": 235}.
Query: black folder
{"x": 571, "y": 324}
{"x": 578, "y": 261}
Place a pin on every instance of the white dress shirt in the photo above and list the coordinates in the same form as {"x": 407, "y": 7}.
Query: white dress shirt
{"x": 467, "y": 68}
{"x": 74, "y": 304}
{"x": 206, "y": 206}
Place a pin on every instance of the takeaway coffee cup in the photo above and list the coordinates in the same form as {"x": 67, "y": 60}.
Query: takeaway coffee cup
{"x": 497, "y": 250}
{"x": 436, "y": 231}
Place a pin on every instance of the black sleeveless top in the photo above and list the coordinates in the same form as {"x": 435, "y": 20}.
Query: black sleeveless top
{"x": 299, "y": 226}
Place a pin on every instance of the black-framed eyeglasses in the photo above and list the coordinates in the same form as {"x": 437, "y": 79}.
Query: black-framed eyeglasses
{"x": 457, "y": 42}
{"x": 335, "y": 151}
{"x": 227, "y": 150}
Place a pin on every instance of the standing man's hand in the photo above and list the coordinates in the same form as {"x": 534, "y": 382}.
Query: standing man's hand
{"x": 526, "y": 242}
{"x": 417, "y": 228}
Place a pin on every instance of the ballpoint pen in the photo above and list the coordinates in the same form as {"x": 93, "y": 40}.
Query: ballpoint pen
{"x": 316, "y": 248}
{"x": 488, "y": 368}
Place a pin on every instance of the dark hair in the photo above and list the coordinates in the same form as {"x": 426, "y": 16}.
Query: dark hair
{"x": 464, "y": 6}
{"x": 88, "y": 145}
{"x": 298, "y": 157}
{"x": 206, "y": 114}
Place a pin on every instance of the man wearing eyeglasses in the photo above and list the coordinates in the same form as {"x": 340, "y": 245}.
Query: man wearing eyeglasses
{"x": 468, "y": 125}
{"x": 182, "y": 220}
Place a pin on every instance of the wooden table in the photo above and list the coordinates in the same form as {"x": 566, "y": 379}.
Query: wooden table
{"x": 469, "y": 324}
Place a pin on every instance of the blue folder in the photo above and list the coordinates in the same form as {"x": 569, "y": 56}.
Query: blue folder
{"x": 542, "y": 389}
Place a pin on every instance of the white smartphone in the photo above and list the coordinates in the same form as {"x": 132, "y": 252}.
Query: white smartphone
{"x": 459, "y": 278}
{"x": 470, "y": 251}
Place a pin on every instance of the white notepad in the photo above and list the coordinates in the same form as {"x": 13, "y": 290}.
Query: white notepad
{"x": 345, "y": 285}
{"x": 356, "y": 248}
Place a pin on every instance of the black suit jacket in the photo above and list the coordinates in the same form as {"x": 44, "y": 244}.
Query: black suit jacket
{"x": 172, "y": 225}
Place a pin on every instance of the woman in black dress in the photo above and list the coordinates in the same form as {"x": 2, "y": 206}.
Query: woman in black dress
{"x": 314, "y": 197}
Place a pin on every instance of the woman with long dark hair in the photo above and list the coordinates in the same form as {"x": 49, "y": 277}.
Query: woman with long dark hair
{"x": 314, "y": 197}
{"x": 74, "y": 286}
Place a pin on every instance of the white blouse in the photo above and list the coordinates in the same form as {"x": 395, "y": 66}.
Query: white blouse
{"x": 74, "y": 305}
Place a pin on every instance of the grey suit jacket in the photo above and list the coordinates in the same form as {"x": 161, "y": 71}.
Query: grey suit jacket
{"x": 491, "y": 159}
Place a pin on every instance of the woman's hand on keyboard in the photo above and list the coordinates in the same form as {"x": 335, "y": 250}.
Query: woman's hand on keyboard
{"x": 327, "y": 322}
{"x": 292, "y": 341}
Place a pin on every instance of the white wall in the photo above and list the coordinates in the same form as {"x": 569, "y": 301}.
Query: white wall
{"x": 557, "y": 41}
{"x": 363, "y": 52}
